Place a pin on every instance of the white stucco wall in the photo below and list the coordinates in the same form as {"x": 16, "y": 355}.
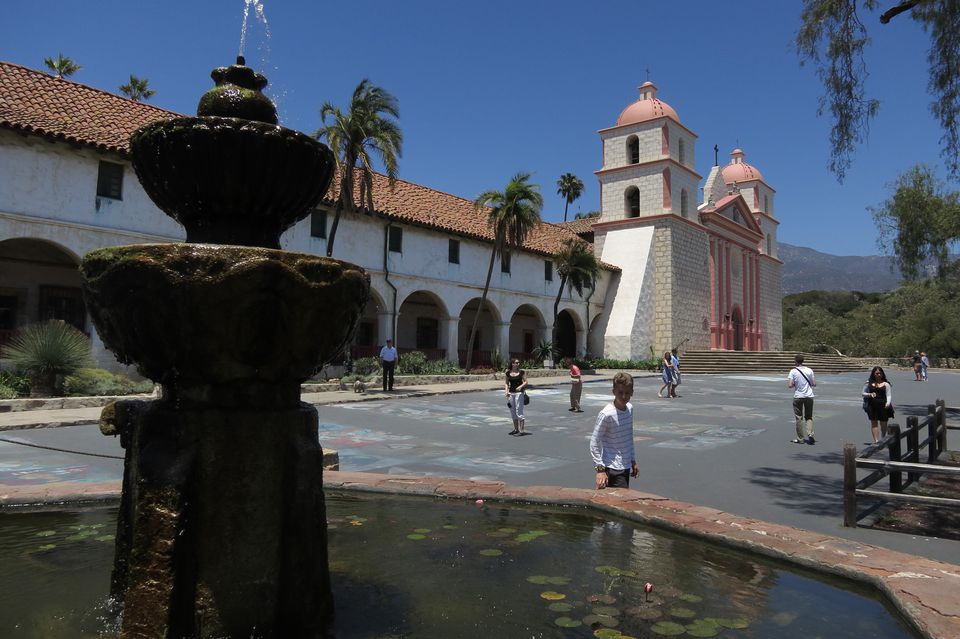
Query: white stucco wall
{"x": 629, "y": 328}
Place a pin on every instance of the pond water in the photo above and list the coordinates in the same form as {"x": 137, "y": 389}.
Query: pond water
{"x": 415, "y": 567}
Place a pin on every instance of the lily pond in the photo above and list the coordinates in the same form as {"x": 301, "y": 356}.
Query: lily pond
{"x": 415, "y": 567}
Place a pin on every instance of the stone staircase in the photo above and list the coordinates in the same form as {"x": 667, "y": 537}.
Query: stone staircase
{"x": 764, "y": 362}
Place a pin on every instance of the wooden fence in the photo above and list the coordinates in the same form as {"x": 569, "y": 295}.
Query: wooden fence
{"x": 903, "y": 468}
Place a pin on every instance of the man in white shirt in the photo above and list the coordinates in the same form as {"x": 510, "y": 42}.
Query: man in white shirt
{"x": 388, "y": 361}
{"x": 801, "y": 379}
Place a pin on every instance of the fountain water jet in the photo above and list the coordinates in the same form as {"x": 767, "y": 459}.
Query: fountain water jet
{"x": 222, "y": 524}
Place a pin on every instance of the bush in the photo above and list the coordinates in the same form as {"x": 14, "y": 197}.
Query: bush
{"x": 366, "y": 366}
{"x": 482, "y": 371}
{"x": 412, "y": 363}
{"x": 96, "y": 381}
{"x": 7, "y": 393}
{"x": 497, "y": 361}
{"x": 527, "y": 364}
{"x": 46, "y": 352}
{"x": 19, "y": 382}
{"x": 619, "y": 364}
{"x": 441, "y": 367}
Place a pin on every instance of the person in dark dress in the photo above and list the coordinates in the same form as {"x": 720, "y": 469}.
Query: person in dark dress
{"x": 878, "y": 402}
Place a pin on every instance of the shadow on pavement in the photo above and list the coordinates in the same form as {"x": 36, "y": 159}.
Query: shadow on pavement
{"x": 810, "y": 494}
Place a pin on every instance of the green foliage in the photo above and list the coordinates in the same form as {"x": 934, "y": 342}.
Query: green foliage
{"x": 571, "y": 188}
{"x": 834, "y": 39}
{"x": 96, "y": 381}
{"x": 624, "y": 364}
{"x": 366, "y": 366}
{"x": 481, "y": 371}
{"x": 412, "y": 363}
{"x": 137, "y": 89}
{"x": 529, "y": 364}
{"x": 544, "y": 350}
{"x": 19, "y": 382}
{"x": 62, "y": 66}
{"x": 586, "y": 216}
{"x": 441, "y": 367}
{"x": 919, "y": 221}
{"x": 50, "y": 348}
{"x": 7, "y": 393}
{"x": 497, "y": 361}
{"x": 915, "y": 316}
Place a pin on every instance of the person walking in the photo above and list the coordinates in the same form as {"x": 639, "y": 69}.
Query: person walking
{"x": 576, "y": 386}
{"x": 676, "y": 372}
{"x": 924, "y": 365}
{"x": 917, "y": 366}
{"x": 878, "y": 402}
{"x": 666, "y": 375}
{"x": 802, "y": 380}
{"x": 388, "y": 362}
{"x": 514, "y": 384}
{"x": 611, "y": 444}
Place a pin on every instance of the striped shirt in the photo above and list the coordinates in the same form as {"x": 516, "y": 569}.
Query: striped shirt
{"x": 611, "y": 444}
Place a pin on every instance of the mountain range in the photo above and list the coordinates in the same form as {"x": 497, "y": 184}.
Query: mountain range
{"x": 805, "y": 269}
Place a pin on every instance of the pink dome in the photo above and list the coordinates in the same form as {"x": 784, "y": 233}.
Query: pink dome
{"x": 648, "y": 107}
{"x": 739, "y": 171}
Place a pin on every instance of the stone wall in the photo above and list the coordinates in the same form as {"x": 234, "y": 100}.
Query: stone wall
{"x": 681, "y": 287}
{"x": 771, "y": 303}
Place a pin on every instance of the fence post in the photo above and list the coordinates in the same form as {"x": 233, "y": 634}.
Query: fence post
{"x": 849, "y": 485}
{"x": 942, "y": 426}
{"x": 934, "y": 430}
{"x": 895, "y": 447}
{"x": 913, "y": 445}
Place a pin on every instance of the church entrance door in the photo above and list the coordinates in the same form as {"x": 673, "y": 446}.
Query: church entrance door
{"x": 737, "y": 321}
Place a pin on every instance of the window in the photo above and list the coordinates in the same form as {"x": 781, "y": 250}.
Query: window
{"x": 548, "y": 270}
{"x": 428, "y": 332}
{"x": 505, "y": 262}
{"x": 110, "y": 180}
{"x": 395, "y": 243}
{"x": 766, "y": 204}
{"x": 683, "y": 203}
{"x": 453, "y": 251}
{"x": 682, "y": 151}
{"x": 632, "y": 198}
{"x": 318, "y": 224}
{"x": 633, "y": 149}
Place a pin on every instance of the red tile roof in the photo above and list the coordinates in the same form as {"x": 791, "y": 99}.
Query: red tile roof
{"x": 579, "y": 226}
{"x": 36, "y": 103}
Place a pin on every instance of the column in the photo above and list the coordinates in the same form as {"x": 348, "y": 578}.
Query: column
{"x": 449, "y": 335}
{"x": 712, "y": 327}
{"x": 385, "y": 328}
{"x": 501, "y": 339}
{"x": 581, "y": 342}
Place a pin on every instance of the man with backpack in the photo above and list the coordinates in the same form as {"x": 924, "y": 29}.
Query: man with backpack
{"x": 801, "y": 379}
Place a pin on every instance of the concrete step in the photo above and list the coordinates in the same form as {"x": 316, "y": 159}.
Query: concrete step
{"x": 716, "y": 362}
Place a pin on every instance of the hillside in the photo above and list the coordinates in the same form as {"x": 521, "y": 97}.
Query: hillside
{"x": 805, "y": 269}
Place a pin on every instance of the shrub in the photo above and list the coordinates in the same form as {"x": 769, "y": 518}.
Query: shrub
{"x": 412, "y": 363}
{"x": 47, "y": 351}
{"x": 527, "y": 364}
{"x": 19, "y": 382}
{"x": 544, "y": 350}
{"x": 7, "y": 393}
{"x": 497, "y": 361}
{"x": 96, "y": 381}
{"x": 441, "y": 367}
{"x": 366, "y": 366}
{"x": 481, "y": 371}
{"x": 634, "y": 364}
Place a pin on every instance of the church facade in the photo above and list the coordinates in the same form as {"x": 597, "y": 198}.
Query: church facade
{"x": 674, "y": 273}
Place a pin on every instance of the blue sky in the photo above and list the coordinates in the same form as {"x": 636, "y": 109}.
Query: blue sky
{"x": 490, "y": 88}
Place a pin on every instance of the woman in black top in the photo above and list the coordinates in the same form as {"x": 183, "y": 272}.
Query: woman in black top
{"x": 515, "y": 381}
{"x": 878, "y": 402}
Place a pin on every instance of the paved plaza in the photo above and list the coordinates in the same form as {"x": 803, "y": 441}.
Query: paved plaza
{"x": 724, "y": 443}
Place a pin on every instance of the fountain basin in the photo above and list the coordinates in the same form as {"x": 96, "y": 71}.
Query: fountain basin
{"x": 194, "y": 316}
{"x": 230, "y": 180}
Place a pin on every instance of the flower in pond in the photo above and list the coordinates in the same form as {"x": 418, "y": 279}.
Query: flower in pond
{"x": 480, "y": 502}
{"x": 648, "y": 587}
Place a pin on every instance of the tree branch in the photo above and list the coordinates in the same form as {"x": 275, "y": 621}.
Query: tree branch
{"x": 893, "y": 12}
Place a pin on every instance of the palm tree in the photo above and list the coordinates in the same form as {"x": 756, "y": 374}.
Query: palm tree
{"x": 62, "y": 66}
{"x": 137, "y": 89}
{"x": 578, "y": 268}
{"x": 352, "y": 136}
{"x": 513, "y": 213}
{"x": 586, "y": 216}
{"x": 571, "y": 188}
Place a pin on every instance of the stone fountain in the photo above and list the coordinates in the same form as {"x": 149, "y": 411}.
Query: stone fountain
{"x": 222, "y": 523}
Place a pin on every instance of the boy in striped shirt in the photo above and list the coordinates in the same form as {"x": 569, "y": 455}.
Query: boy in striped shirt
{"x": 611, "y": 445}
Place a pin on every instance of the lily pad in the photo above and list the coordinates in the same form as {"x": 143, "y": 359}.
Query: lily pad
{"x": 105, "y": 538}
{"x": 416, "y": 536}
{"x": 491, "y": 552}
{"x": 606, "y": 633}
{"x": 606, "y": 610}
{"x": 668, "y": 628}
{"x": 703, "y": 628}
{"x": 496, "y": 534}
{"x": 567, "y": 622}
{"x": 613, "y": 571}
{"x": 421, "y": 530}
{"x": 552, "y": 595}
{"x": 540, "y": 580}
{"x": 690, "y": 598}
{"x": 559, "y": 606}
{"x": 46, "y": 533}
{"x": 509, "y": 531}
{"x": 735, "y": 623}
{"x": 603, "y": 620}
{"x": 46, "y": 547}
{"x": 558, "y": 581}
{"x": 604, "y": 599}
{"x": 682, "y": 613}
{"x": 449, "y": 527}
{"x": 647, "y": 614}
{"x": 77, "y": 537}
